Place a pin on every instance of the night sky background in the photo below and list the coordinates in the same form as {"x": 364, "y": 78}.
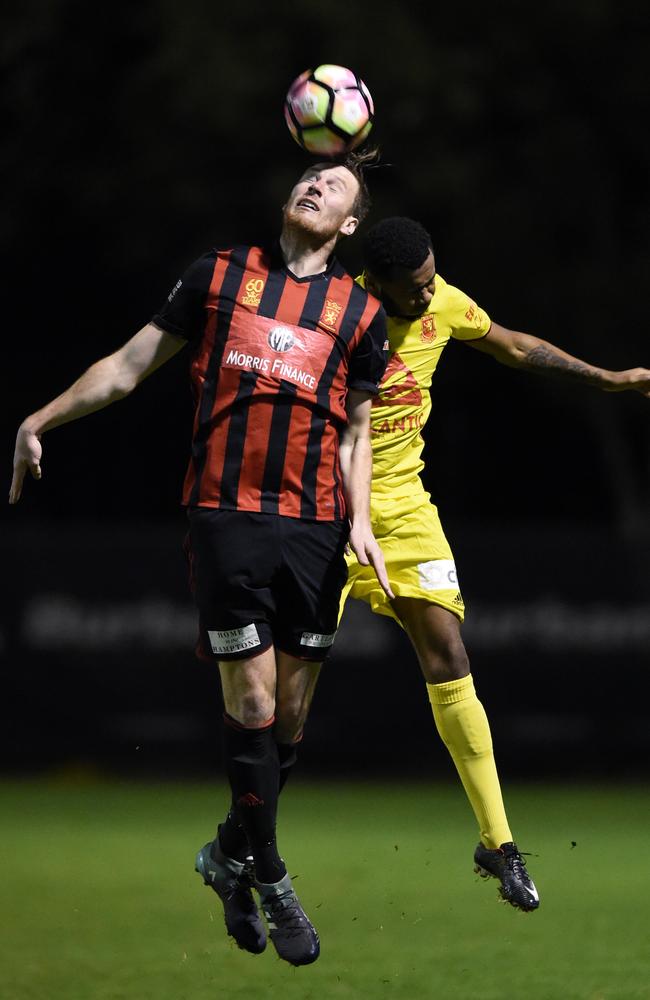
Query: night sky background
{"x": 137, "y": 137}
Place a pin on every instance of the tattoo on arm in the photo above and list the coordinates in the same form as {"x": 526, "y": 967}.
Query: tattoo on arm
{"x": 543, "y": 360}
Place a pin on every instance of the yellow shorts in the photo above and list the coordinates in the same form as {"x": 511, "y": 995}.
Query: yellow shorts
{"x": 419, "y": 561}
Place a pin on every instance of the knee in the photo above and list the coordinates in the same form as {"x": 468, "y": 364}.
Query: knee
{"x": 251, "y": 709}
{"x": 447, "y": 660}
{"x": 290, "y": 717}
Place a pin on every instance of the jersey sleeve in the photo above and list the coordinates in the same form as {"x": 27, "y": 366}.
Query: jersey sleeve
{"x": 183, "y": 312}
{"x": 467, "y": 320}
{"x": 369, "y": 360}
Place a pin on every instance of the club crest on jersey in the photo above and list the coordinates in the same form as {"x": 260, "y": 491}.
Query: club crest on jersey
{"x": 253, "y": 292}
{"x": 428, "y": 331}
{"x": 330, "y": 315}
{"x": 281, "y": 339}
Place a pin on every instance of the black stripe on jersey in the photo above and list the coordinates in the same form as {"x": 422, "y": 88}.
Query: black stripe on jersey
{"x": 277, "y": 450}
{"x": 354, "y": 311}
{"x": 352, "y": 315}
{"x": 235, "y": 441}
{"x": 273, "y": 289}
{"x": 310, "y": 468}
{"x": 338, "y": 513}
{"x": 314, "y": 303}
{"x": 227, "y": 300}
{"x": 309, "y": 318}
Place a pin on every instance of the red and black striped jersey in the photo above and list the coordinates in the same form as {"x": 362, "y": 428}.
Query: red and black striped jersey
{"x": 274, "y": 356}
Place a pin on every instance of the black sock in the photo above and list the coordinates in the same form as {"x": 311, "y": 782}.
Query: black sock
{"x": 254, "y": 773}
{"x": 287, "y": 755}
{"x": 232, "y": 836}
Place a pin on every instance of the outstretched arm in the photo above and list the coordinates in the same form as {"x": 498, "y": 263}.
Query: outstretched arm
{"x": 521, "y": 350}
{"x": 356, "y": 465}
{"x": 106, "y": 381}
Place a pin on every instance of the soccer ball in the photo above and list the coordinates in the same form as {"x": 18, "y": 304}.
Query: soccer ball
{"x": 329, "y": 110}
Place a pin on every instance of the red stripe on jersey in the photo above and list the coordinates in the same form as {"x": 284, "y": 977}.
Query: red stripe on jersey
{"x": 329, "y": 469}
{"x": 201, "y": 358}
{"x": 256, "y": 444}
{"x": 302, "y": 364}
{"x": 336, "y": 302}
{"x": 325, "y": 479}
{"x": 292, "y": 301}
{"x": 367, "y": 317}
{"x": 301, "y": 416}
{"x": 258, "y": 431}
{"x": 255, "y": 271}
{"x": 215, "y": 452}
{"x": 270, "y": 392}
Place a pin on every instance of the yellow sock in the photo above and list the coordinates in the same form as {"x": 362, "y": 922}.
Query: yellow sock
{"x": 464, "y": 729}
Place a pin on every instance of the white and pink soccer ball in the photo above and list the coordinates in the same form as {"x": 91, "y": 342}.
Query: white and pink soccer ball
{"x": 329, "y": 110}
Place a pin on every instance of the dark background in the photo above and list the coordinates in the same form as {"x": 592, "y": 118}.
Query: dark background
{"x": 134, "y": 139}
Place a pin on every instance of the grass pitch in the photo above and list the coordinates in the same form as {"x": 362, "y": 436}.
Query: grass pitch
{"x": 100, "y": 900}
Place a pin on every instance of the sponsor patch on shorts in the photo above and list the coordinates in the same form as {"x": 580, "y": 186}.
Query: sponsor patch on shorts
{"x": 438, "y": 574}
{"x": 316, "y": 639}
{"x": 233, "y": 640}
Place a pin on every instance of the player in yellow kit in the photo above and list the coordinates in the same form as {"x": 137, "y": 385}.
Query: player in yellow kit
{"x": 424, "y": 312}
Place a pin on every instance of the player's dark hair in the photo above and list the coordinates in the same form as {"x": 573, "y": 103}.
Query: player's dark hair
{"x": 357, "y": 162}
{"x": 395, "y": 242}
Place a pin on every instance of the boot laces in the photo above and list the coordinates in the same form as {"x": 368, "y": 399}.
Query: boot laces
{"x": 516, "y": 864}
{"x": 286, "y": 912}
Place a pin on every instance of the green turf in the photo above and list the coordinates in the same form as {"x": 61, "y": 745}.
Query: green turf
{"x": 100, "y": 901}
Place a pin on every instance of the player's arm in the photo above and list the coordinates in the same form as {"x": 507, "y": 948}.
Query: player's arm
{"x": 105, "y": 382}
{"x": 522, "y": 350}
{"x": 356, "y": 465}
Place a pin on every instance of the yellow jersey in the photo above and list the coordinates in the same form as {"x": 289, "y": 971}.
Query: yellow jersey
{"x": 403, "y": 405}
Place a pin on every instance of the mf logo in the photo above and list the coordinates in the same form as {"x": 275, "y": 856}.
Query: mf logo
{"x": 253, "y": 292}
{"x": 281, "y": 339}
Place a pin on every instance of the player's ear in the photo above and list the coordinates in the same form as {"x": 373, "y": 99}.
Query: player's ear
{"x": 349, "y": 226}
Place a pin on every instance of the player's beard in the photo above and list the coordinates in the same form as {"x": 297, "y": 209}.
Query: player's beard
{"x": 309, "y": 225}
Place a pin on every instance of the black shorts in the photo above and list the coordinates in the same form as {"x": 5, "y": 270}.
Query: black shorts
{"x": 264, "y": 579}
